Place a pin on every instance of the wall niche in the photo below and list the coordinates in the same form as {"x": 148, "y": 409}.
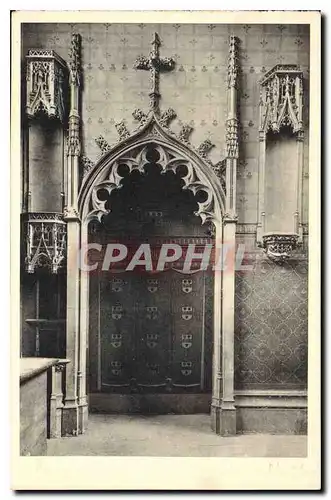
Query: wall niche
{"x": 281, "y": 137}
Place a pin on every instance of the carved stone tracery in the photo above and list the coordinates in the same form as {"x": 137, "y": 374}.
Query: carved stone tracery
{"x": 281, "y": 100}
{"x": 45, "y": 84}
{"x": 169, "y": 160}
{"x": 45, "y": 238}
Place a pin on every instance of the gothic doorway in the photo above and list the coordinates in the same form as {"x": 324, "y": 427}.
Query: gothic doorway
{"x": 151, "y": 329}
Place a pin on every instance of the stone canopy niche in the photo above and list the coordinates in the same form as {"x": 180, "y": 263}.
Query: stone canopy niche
{"x": 281, "y": 147}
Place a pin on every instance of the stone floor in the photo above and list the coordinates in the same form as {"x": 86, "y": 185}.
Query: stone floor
{"x": 171, "y": 435}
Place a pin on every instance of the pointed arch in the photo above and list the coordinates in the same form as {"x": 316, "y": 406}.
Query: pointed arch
{"x": 132, "y": 152}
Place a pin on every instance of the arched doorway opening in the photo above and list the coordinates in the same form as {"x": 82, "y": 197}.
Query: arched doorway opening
{"x": 151, "y": 320}
{"x": 199, "y": 179}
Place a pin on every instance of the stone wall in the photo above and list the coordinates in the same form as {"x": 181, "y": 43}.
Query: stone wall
{"x": 196, "y": 89}
{"x": 271, "y": 301}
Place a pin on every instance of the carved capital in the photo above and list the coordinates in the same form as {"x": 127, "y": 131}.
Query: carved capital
{"x": 46, "y": 84}
{"x": 70, "y": 214}
{"x": 281, "y": 102}
{"x": 278, "y": 246}
{"x": 230, "y": 218}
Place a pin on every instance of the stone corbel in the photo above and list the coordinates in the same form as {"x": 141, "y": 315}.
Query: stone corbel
{"x": 279, "y": 246}
{"x": 46, "y": 84}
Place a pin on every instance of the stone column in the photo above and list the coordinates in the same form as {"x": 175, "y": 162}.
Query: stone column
{"x": 83, "y": 337}
{"x": 70, "y": 410}
{"x": 217, "y": 348}
{"x": 226, "y": 424}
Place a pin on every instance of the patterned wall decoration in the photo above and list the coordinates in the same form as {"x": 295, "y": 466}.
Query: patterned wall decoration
{"x": 196, "y": 89}
{"x": 271, "y": 326}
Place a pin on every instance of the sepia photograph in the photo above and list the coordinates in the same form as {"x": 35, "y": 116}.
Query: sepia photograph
{"x": 163, "y": 184}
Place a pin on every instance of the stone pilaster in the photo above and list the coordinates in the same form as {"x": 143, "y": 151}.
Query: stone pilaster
{"x": 71, "y": 408}
{"x": 225, "y": 412}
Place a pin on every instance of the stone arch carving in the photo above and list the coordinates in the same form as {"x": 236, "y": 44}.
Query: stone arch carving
{"x": 132, "y": 152}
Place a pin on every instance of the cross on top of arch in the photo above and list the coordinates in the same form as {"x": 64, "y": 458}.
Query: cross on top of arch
{"x": 155, "y": 65}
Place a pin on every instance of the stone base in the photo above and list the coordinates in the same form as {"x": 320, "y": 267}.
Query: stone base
{"x": 272, "y": 420}
{"x": 214, "y": 418}
{"x": 82, "y": 418}
{"x": 223, "y": 421}
{"x": 70, "y": 420}
{"x": 157, "y": 404}
{"x": 227, "y": 422}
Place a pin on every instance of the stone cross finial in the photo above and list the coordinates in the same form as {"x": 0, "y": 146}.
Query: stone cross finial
{"x": 155, "y": 65}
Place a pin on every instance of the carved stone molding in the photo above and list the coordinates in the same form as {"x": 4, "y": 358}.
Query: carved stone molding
{"x": 279, "y": 247}
{"x": 46, "y": 84}
{"x": 281, "y": 99}
{"x": 45, "y": 241}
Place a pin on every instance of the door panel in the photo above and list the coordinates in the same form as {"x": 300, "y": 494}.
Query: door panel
{"x": 154, "y": 335}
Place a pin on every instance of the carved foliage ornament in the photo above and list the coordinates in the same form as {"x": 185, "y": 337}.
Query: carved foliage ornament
{"x": 281, "y": 99}
{"x": 168, "y": 160}
{"x": 46, "y": 75}
{"x": 73, "y": 144}
{"x": 75, "y": 59}
{"x": 232, "y": 140}
{"x": 279, "y": 247}
{"x": 233, "y": 62}
{"x": 45, "y": 241}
